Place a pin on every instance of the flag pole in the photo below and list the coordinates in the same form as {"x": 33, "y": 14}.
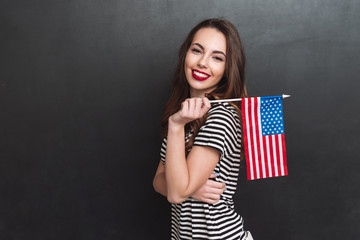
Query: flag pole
{"x": 239, "y": 99}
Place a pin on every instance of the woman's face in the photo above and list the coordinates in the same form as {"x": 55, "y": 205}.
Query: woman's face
{"x": 205, "y": 61}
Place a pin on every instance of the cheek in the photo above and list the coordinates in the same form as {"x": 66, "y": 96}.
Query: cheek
{"x": 186, "y": 64}
{"x": 188, "y": 60}
{"x": 220, "y": 70}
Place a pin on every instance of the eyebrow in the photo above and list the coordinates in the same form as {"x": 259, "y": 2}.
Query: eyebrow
{"x": 202, "y": 48}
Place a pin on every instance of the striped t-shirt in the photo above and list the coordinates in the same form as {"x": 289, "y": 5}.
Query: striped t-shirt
{"x": 193, "y": 219}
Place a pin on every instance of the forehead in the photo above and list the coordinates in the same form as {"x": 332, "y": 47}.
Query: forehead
{"x": 211, "y": 39}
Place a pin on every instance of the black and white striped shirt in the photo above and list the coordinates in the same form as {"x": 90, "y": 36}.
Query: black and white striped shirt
{"x": 193, "y": 219}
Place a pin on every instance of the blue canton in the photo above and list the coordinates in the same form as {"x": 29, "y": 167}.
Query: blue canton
{"x": 271, "y": 111}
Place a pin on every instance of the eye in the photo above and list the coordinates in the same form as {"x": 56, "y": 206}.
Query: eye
{"x": 195, "y": 50}
{"x": 218, "y": 59}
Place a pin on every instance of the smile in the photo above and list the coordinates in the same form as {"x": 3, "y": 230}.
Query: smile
{"x": 201, "y": 76}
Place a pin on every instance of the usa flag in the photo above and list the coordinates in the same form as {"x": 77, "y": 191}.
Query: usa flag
{"x": 263, "y": 125}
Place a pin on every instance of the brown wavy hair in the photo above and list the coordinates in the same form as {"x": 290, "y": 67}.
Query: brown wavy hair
{"x": 232, "y": 84}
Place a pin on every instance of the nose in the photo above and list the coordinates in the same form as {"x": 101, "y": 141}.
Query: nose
{"x": 203, "y": 62}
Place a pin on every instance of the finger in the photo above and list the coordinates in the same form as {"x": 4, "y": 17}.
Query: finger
{"x": 212, "y": 190}
{"x": 188, "y": 100}
{"x": 206, "y": 102}
{"x": 198, "y": 106}
{"x": 219, "y": 191}
{"x": 191, "y": 105}
{"x": 213, "y": 196}
{"x": 210, "y": 198}
{"x": 217, "y": 185}
{"x": 210, "y": 201}
{"x": 206, "y": 105}
{"x": 185, "y": 106}
{"x": 212, "y": 175}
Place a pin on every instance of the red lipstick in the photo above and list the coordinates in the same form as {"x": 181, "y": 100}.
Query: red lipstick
{"x": 198, "y": 77}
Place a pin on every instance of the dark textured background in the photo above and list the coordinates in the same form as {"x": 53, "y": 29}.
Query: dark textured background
{"x": 82, "y": 89}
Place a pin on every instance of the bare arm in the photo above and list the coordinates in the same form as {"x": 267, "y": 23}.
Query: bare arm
{"x": 209, "y": 192}
{"x": 184, "y": 175}
{"x": 159, "y": 181}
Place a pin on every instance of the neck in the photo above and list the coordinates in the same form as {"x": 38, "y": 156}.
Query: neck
{"x": 199, "y": 93}
{"x": 194, "y": 93}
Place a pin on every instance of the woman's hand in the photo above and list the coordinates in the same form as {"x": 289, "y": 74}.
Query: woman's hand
{"x": 191, "y": 109}
{"x": 210, "y": 192}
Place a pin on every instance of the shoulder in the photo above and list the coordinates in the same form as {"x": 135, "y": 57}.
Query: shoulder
{"x": 223, "y": 120}
{"x": 223, "y": 107}
{"x": 221, "y": 130}
{"x": 223, "y": 112}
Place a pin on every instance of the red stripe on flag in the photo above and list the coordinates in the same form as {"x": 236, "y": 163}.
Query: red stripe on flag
{"x": 267, "y": 173}
{"x": 258, "y": 132}
{"x": 278, "y": 154}
{"x": 284, "y": 153}
{"x": 271, "y": 166}
{"x": 246, "y": 140}
{"x": 251, "y": 128}
{"x": 271, "y": 156}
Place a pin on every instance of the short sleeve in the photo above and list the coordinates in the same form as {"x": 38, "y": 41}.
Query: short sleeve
{"x": 221, "y": 131}
{"x": 163, "y": 150}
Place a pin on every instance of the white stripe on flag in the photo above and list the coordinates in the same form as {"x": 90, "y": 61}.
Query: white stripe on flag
{"x": 261, "y": 139}
{"x": 268, "y": 155}
{"x": 274, "y": 155}
{"x": 248, "y": 136}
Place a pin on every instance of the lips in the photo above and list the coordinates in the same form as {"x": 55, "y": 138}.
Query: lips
{"x": 200, "y": 76}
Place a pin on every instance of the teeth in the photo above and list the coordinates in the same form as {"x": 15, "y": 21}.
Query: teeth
{"x": 200, "y": 74}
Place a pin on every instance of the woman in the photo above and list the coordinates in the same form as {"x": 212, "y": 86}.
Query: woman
{"x": 203, "y": 141}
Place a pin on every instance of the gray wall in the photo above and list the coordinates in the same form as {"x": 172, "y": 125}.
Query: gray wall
{"x": 82, "y": 89}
